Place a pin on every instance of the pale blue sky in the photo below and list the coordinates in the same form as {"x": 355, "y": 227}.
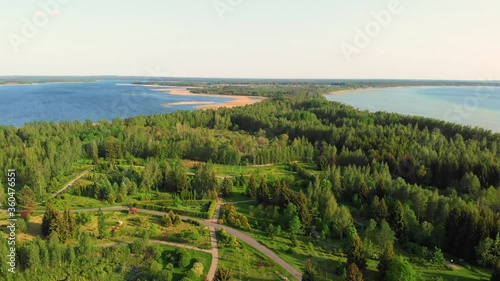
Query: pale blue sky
{"x": 445, "y": 39}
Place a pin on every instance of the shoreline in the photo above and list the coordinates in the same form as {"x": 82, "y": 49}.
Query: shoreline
{"x": 340, "y": 92}
{"x": 197, "y": 103}
{"x": 236, "y": 100}
{"x": 346, "y": 91}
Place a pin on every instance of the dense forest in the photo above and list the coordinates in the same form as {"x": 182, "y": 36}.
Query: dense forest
{"x": 380, "y": 180}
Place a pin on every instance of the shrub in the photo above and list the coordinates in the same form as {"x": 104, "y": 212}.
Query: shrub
{"x": 83, "y": 218}
{"x": 197, "y": 268}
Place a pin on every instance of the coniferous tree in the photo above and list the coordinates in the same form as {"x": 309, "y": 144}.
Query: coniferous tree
{"x": 353, "y": 273}
{"x": 52, "y": 220}
{"x": 263, "y": 194}
{"x": 69, "y": 224}
{"x": 380, "y": 211}
{"x": 386, "y": 259}
{"x": 303, "y": 210}
{"x": 226, "y": 188}
{"x": 399, "y": 223}
{"x": 309, "y": 272}
{"x": 356, "y": 253}
{"x": 27, "y": 198}
{"x": 252, "y": 187}
{"x": 101, "y": 224}
{"x": 223, "y": 274}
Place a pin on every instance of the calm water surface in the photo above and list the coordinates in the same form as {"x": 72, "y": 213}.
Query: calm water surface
{"x": 474, "y": 106}
{"x": 103, "y": 100}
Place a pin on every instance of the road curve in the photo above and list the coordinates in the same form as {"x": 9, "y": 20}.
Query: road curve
{"x": 240, "y": 235}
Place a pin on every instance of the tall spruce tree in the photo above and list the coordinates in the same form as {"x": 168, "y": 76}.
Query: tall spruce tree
{"x": 309, "y": 272}
{"x": 356, "y": 253}
{"x": 353, "y": 273}
{"x": 386, "y": 259}
{"x": 252, "y": 186}
{"x": 399, "y": 223}
{"x": 52, "y": 220}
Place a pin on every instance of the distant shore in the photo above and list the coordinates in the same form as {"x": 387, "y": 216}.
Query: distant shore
{"x": 339, "y": 92}
{"x": 236, "y": 100}
{"x": 37, "y": 83}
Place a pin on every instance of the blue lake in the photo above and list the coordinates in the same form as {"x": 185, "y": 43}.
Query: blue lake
{"x": 103, "y": 100}
{"x": 474, "y": 106}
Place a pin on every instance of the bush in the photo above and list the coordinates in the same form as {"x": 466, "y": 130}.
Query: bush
{"x": 83, "y": 218}
{"x": 22, "y": 226}
{"x": 197, "y": 268}
{"x": 184, "y": 258}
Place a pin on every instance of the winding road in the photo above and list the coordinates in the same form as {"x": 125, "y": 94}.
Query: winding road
{"x": 212, "y": 225}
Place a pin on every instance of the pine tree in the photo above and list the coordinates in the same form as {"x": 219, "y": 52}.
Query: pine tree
{"x": 27, "y": 198}
{"x": 303, "y": 209}
{"x": 51, "y": 221}
{"x": 223, "y": 274}
{"x": 101, "y": 224}
{"x": 309, "y": 272}
{"x": 69, "y": 224}
{"x": 386, "y": 259}
{"x": 95, "y": 153}
{"x": 227, "y": 187}
{"x": 353, "y": 273}
{"x": 263, "y": 194}
{"x": 356, "y": 253}
{"x": 379, "y": 209}
{"x": 399, "y": 223}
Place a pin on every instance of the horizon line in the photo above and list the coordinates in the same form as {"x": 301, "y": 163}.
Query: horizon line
{"x": 252, "y": 78}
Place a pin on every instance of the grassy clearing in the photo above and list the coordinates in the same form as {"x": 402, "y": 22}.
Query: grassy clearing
{"x": 456, "y": 275}
{"x": 137, "y": 225}
{"x": 246, "y": 263}
{"x": 204, "y": 258}
{"x": 133, "y": 226}
{"x": 238, "y": 195}
{"x": 34, "y": 227}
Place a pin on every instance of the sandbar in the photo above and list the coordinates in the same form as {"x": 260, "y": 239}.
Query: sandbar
{"x": 235, "y": 100}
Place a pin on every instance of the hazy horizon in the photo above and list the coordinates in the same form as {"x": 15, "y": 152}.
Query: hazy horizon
{"x": 395, "y": 39}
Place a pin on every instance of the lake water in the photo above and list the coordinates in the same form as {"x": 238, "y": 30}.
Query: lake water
{"x": 474, "y": 106}
{"x": 103, "y": 100}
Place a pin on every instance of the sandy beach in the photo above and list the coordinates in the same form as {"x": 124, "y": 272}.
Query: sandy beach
{"x": 339, "y": 92}
{"x": 236, "y": 100}
{"x": 198, "y": 103}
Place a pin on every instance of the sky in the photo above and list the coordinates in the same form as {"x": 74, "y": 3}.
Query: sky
{"x": 386, "y": 39}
